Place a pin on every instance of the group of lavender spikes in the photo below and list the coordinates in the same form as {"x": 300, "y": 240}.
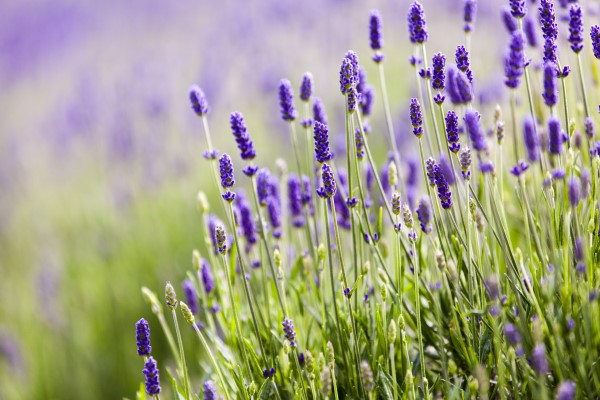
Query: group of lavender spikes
{"x": 544, "y": 146}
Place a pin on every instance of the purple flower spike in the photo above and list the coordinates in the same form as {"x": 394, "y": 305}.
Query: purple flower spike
{"x": 469, "y": 13}
{"x": 539, "y": 363}
{"x": 207, "y": 277}
{"x": 209, "y": 389}
{"x": 246, "y": 220}
{"x": 221, "y": 239}
{"x": 518, "y": 9}
{"x": 530, "y": 30}
{"x": 242, "y": 137}
{"x": 321, "y": 136}
{"x": 349, "y": 73}
{"x": 463, "y": 63}
{"x": 376, "y": 30}
{"x": 263, "y": 186}
{"x": 319, "y": 114}
{"x": 531, "y": 139}
{"x": 458, "y": 86}
{"x": 191, "y": 297}
{"x": 452, "y": 131}
{"x": 274, "y": 213}
{"x": 476, "y": 135}
{"x": 566, "y": 391}
{"x": 306, "y": 86}
{"x": 417, "y": 26}
{"x": 438, "y": 76}
{"x": 226, "y": 171}
{"x": 424, "y": 214}
{"x": 512, "y": 334}
{"x": 142, "y": 333}
{"x": 574, "y": 190}
{"x": 286, "y": 100}
{"x": 509, "y": 21}
{"x": 550, "y": 93}
{"x": 443, "y": 190}
{"x": 465, "y": 163}
{"x": 416, "y": 117}
{"x": 515, "y": 62}
{"x": 289, "y": 332}
{"x": 150, "y": 371}
{"x": 588, "y": 125}
{"x": 329, "y": 188}
{"x": 430, "y": 164}
{"x": 595, "y": 36}
{"x": 353, "y": 98}
{"x": 295, "y": 200}
{"x": 366, "y": 100}
{"x": 198, "y": 100}
{"x": 555, "y": 136}
{"x": 548, "y": 20}
{"x": 576, "y": 28}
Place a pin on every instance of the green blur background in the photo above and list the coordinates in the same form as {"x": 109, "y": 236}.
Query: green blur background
{"x": 101, "y": 155}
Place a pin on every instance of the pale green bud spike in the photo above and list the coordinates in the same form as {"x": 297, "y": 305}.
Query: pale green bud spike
{"x": 277, "y": 258}
{"x": 170, "y": 296}
{"x": 187, "y": 313}
{"x": 392, "y": 174}
{"x": 152, "y": 300}
{"x": 330, "y": 354}
{"x": 196, "y": 260}
{"x": 392, "y": 332}
{"x": 203, "y": 204}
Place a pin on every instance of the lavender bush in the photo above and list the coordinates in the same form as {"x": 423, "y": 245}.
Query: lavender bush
{"x": 336, "y": 293}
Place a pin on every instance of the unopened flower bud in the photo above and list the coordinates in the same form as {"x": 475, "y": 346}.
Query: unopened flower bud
{"x": 187, "y": 313}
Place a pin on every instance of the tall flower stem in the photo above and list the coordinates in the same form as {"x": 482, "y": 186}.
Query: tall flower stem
{"x": 430, "y": 99}
{"x": 388, "y": 113}
{"x": 212, "y": 359}
{"x": 183, "y": 366}
{"x": 583, "y": 89}
{"x": 418, "y": 314}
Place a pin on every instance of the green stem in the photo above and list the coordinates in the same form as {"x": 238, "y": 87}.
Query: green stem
{"x": 212, "y": 359}
{"x": 183, "y": 366}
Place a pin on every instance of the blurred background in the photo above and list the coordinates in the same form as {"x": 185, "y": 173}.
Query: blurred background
{"x": 101, "y": 155}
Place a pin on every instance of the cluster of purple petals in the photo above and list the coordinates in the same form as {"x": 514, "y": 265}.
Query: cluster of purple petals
{"x": 566, "y": 391}
{"x": 341, "y": 207}
{"x": 474, "y": 131}
{"x": 519, "y": 168}
{"x": 447, "y": 169}
{"x": 443, "y": 190}
{"x": 213, "y": 222}
{"x": 307, "y": 194}
{"x": 221, "y": 239}
{"x": 469, "y": 13}
{"x": 242, "y": 137}
{"x": 295, "y": 200}
{"x": 191, "y": 297}
{"x": 152, "y": 382}
{"x": 588, "y": 126}
{"x": 462, "y": 62}
{"x": 246, "y": 220}
{"x": 576, "y": 28}
{"x": 321, "y": 136}
{"x": 263, "y": 186}
{"x": 465, "y": 162}
{"x": 518, "y": 8}
{"x": 376, "y": 30}
{"x": 424, "y": 214}
{"x": 226, "y": 171}
{"x": 430, "y": 164}
{"x": 209, "y": 390}
{"x": 595, "y": 36}
{"x": 530, "y": 31}
{"x": 306, "y": 87}
{"x": 547, "y": 19}
{"x": 574, "y": 191}
{"x": 416, "y": 117}
{"x": 286, "y": 100}
{"x": 458, "y": 86}
{"x": 438, "y": 76}
{"x": 515, "y": 62}
{"x": 539, "y": 362}
{"x": 198, "y": 101}
{"x": 274, "y": 213}
{"x": 550, "y": 93}
{"x": 348, "y": 75}
{"x": 329, "y": 187}
{"x": 206, "y": 276}
{"x": 319, "y": 114}
{"x": 142, "y": 334}
{"x": 531, "y": 139}
{"x": 366, "y": 100}
{"x": 509, "y": 21}
{"x": 417, "y": 26}
{"x": 289, "y": 331}
{"x": 452, "y": 131}
{"x": 555, "y": 136}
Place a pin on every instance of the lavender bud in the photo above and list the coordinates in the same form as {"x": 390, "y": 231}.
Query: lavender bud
{"x": 576, "y": 28}
{"x": 550, "y": 93}
{"x": 407, "y": 216}
{"x": 242, "y": 137}
{"x": 263, "y": 186}
{"x": 207, "y": 277}
{"x": 417, "y": 27}
{"x": 463, "y": 63}
{"x": 170, "y": 296}
{"x": 319, "y": 114}
{"x": 366, "y": 100}
{"x": 447, "y": 170}
{"x": 366, "y": 375}
{"x": 226, "y": 171}
{"x": 376, "y": 30}
{"x": 198, "y": 100}
{"x": 424, "y": 214}
{"x": 539, "y": 363}
{"x": 595, "y": 36}
{"x": 150, "y": 371}
{"x": 353, "y": 98}
{"x": 191, "y": 297}
{"x": 360, "y": 144}
{"x": 348, "y": 78}
{"x": 515, "y": 62}
{"x": 221, "y": 239}
{"x": 396, "y": 203}
{"x": 555, "y": 136}
{"x": 209, "y": 389}
{"x": 416, "y": 117}
{"x": 518, "y": 8}
{"x": 295, "y": 200}
{"x": 286, "y": 100}
{"x": 465, "y": 162}
{"x": 512, "y": 334}
{"x": 589, "y": 127}
{"x": 531, "y": 139}
{"x": 429, "y": 166}
{"x": 530, "y": 31}
{"x": 438, "y": 75}
{"x": 509, "y": 20}
{"x": 329, "y": 188}
{"x": 443, "y": 190}
{"x": 474, "y": 131}
{"x": 321, "y": 136}
{"x": 548, "y": 20}
{"x": 306, "y": 86}
{"x": 586, "y": 179}
{"x": 289, "y": 332}
{"x": 566, "y": 391}
{"x": 142, "y": 333}
{"x": 574, "y": 191}
{"x": 452, "y": 131}
{"x": 246, "y": 220}
{"x": 469, "y": 13}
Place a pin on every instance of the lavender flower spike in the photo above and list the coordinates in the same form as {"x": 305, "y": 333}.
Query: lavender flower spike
{"x": 209, "y": 389}
{"x": 375, "y": 30}
{"x": 295, "y": 200}
{"x": 576, "y": 28}
{"x": 469, "y": 14}
{"x": 221, "y": 239}
{"x": 438, "y": 76}
{"x": 518, "y": 8}
{"x": 531, "y": 139}
{"x": 198, "y": 100}
{"x": 452, "y": 131}
{"x": 319, "y": 114}
{"x": 515, "y": 62}
{"x": 242, "y": 137}
{"x": 416, "y": 117}
{"x": 595, "y": 36}
{"x": 306, "y": 86}
{"x": 476, "y": 135}
{"x": 539, "y": 363}
{"x": 150, "y": 371}
{"x": 424, "y": 214}
{"x": 566, "y": 391}
{"x": 349, "y": 73}
{"x": 462, "y": 61}
{"x": 550, "y": 93}
{"x": 329, "y": 187}
{"x": 443, "y": 190}
{"x": 207, "y": 277}
{"x": 289, "y": 332}
{"x": 574, "y": 191}
{"x": 286, "y": 100}
{"x": 321, "y": 136}
{"x": 142, "y": 333}
{"x": 226, "y": 171}
{"x": 555, "y": 136}
{"x": 417, "y": 26}
{"x": 191, "y": 297}
{"x": 509, "y": 20}
{"x": 530, "y": 30}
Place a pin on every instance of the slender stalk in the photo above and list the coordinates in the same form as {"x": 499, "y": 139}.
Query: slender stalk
{"x": 212, "y": 359}
{"x": 183, "y": 366}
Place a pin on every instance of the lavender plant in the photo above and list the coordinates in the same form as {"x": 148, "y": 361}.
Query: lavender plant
{"x": 494, "y": 294}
